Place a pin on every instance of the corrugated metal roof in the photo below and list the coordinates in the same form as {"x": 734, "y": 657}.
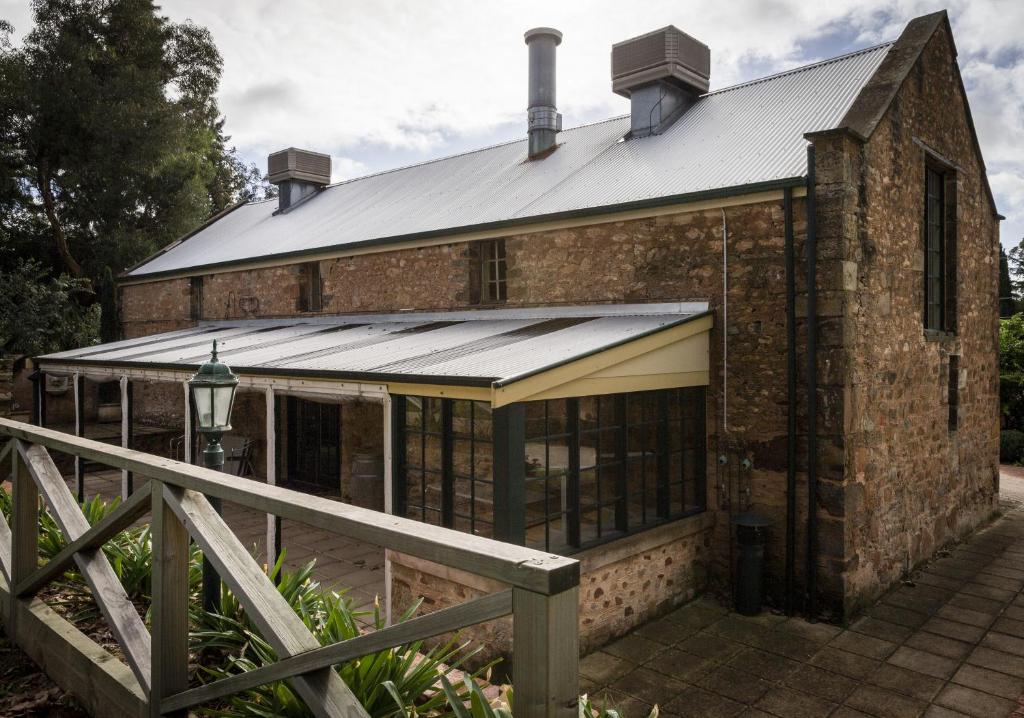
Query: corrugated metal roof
{"x": 744, "y": 135}
{"x": 470, "y": 348}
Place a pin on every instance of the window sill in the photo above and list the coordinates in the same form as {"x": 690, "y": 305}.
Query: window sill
{"x": 937, "y": 335}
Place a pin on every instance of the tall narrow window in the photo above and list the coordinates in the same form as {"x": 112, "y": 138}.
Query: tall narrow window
{"x": 953, "y": 392}
{"x": 195, "y": 298}
{"x": 935, "y": 251}
{"x": 310, "y": 288}
{"x": 493, "y": 285}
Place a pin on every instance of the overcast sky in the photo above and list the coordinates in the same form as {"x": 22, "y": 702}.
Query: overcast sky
{"x": 383, "y": 84}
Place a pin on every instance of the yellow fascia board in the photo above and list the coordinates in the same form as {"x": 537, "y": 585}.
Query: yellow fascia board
{"x": 441, "y": 391}
{"x": 545, "y": 383}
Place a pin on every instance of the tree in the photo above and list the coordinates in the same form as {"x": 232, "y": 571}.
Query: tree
{"x": 112, "y": 142}
{"x": 1015, "y": 268}
{"x": 1007, "y": 303}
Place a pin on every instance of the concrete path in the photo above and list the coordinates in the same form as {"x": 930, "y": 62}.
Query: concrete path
{"x": 951, "y": 645}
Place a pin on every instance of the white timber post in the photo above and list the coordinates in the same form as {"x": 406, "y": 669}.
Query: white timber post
{"x": 545, "y": 653}
{"x": 273, "y": 522}
{"x": 125, "y": 431}
{"x": 188, "y": 423}
{"x": 389, "y": 499}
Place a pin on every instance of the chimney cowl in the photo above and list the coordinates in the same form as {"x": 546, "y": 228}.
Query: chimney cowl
{"x": 663, "y": 73}
{"x": 298, "y": 174}
{"x": 543, "y": 121}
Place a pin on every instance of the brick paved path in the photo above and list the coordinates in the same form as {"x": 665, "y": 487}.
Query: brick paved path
{"x": 951, "y": 645}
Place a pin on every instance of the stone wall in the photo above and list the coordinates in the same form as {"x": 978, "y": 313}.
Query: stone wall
{"x": 911, "y": 483}
{"x": 622, "y": 584}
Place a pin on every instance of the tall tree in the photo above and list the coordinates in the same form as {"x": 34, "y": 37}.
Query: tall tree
{"x": 1015, "y": 268}
{"x": 1007, "y": 303}
{"x": 112, "y": 142}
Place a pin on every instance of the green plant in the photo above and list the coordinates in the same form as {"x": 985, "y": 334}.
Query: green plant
{"x": 1011, "y": 446}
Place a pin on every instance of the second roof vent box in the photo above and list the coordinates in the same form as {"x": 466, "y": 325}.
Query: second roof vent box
{"x": 662, "y": 73}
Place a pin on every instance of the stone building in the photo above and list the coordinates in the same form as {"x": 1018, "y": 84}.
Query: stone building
{"x": 610, "y": 341}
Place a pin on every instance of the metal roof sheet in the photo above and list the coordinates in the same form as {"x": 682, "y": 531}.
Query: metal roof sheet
{"x": 477, "y": 347}
{"x": 744, "y": 135}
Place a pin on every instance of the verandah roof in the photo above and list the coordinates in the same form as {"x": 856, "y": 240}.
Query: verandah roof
{"x": 501, "y": 355}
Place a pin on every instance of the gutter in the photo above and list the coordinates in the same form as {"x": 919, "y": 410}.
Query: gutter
{"x": 454, "y": 232}
{"x": 812, "y": 390}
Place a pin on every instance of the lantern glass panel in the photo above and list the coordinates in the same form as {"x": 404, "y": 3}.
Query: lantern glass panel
{"x": 203, "y": 397}
{"x": 223, "y": 397}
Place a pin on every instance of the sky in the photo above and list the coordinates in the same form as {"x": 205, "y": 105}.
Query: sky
{"x": 386, "y": 83}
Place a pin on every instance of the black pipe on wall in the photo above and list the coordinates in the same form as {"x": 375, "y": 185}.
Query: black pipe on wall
{"x": 812, "y": 391}
{"x": 787, "y": 208}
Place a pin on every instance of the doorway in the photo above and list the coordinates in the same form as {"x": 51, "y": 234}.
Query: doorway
{"x": 314, "y": 446}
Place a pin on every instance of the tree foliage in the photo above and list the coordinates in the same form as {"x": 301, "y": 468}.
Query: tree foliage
{"x": 1007, "y": 302}
{"x": 111, "y": 140}
{"x": 1011, "y": 370}
{"x": 40, "y": 314}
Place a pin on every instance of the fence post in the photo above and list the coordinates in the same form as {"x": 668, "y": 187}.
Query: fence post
{"x": 545, "y": 653}
{"x": 170, "y": 603}
{"x": 24, "y": 527}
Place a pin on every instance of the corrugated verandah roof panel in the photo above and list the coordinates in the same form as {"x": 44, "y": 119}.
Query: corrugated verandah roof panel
{"x": 744, "y": 135}
{"x": 474, "y": 347}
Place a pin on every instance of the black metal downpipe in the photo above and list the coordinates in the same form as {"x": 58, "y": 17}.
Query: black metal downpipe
{"x": 787, "y": 209}
{"x": 812, "y": 391}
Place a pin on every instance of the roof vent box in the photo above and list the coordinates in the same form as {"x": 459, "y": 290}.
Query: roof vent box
{"x": 302, "y": 165}
{"x": 668, "y": 54}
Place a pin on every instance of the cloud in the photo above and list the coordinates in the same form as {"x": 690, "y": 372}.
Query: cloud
{"x": 392, "y": 82}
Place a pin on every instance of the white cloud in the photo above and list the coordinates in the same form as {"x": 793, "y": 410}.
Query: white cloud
{"x": 387, "y": 83}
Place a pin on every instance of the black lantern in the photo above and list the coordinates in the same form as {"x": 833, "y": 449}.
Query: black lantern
{"x": 213, "y": 394}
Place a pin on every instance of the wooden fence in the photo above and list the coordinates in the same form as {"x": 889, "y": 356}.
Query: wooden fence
{"x": 542, "y": 598}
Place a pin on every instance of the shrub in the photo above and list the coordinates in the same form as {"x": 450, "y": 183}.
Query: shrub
{"x": 1011, "y": 446}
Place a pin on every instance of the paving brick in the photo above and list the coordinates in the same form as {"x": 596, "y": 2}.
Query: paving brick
{"x": 764, "y": 665}
{"x": 648, "y": 686}
{"x": 927, "y": 663}
{"x": 626, "y": 705}
{"x": 695, "y": 615}
{"x": 954, "y": 629}
{"x": 634, "y": 649}
{"x": 1001, "y": 595}
{"x": 844, "y": 662}
{"x": 898, "y": 615}
{"x": 817, "y": 632}
{"x": 847, "y": 712}
{"x": 1014, "y": 612}
{"x": 1014, "y": 573}
{"x": 974, "y": 703}
{"x": 696, "y": 702}
{"x": 997, "y": 661}
{"x": 989, "y": 681}
{"x": 885, "y": 704}
{"x": 734, "y": 684}
{"x": 976, "y": 603}
{"x": 881, "y": 629}
{"x": 935, "y": 711}
{"x": 709, "y": 645}
{"x": 864, "y": 645}
{"x": 1004, "y": 643}
{"x": 819, "y": 682}
{"x": 603, "y": 668}
{"x": 681, "y": 665}
{"x": 1009, "y": 626}
{"x": 939, "y": 645}
{"x": 740, "y": 631}
{"x": 928, "y": 578}
{"x": 911, "y": 683}
{"x": 793, "y": 647}
{"x": 665, "y": 631}
{"x": 788, "y": 703}
{"x": 1009, "y": 584}
{"x": 916, "y": 600}
{"x": 965, "y": 615}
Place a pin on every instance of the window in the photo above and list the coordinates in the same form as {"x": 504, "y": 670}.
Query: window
{"x": 493, "y": 271}
{"x": 445, "y": 463}
{"x": 195, "y": 297}
{"x": 953, "y": 392}
{"x": 940, "y": 249}
{"x": 310, "y": 288}
{"x": 600, "y": 467}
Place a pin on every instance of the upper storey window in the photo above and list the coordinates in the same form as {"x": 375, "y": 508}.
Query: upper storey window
{"x": 310, "y": 288}
{"x": 195, "y": 298}
{"x": 493, "y": 271}
{"x": 939, "y": 250}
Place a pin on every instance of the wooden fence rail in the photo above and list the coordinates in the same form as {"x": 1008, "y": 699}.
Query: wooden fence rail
{"x": 542, "y": 598}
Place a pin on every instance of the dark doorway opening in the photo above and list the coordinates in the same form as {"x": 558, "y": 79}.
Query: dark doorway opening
{"x": 314, "y": 446}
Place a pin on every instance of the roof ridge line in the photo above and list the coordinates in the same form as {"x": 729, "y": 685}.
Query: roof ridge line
{"x": 801, "y": 68}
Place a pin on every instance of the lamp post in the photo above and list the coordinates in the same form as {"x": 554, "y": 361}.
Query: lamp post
{"x": 213, "y": 394}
